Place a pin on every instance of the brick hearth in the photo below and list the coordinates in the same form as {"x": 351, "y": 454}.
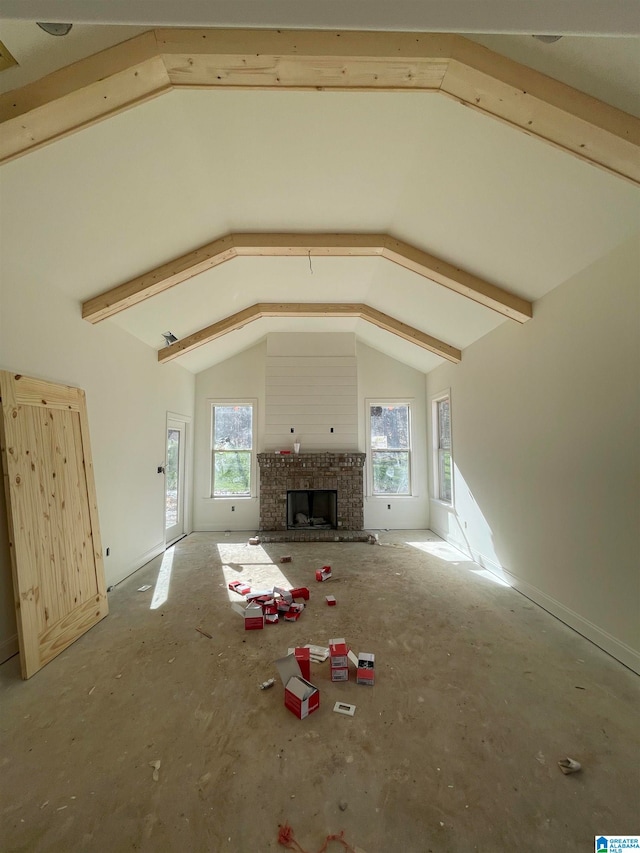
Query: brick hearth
{"x": 280, "y": 473}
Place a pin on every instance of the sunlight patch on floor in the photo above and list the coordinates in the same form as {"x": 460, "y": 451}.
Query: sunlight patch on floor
{"x": 484, "y": 573}
{"x": 442, "y": 550}
{"x": 251, "y": 564}
{"x": 161, "y": 592}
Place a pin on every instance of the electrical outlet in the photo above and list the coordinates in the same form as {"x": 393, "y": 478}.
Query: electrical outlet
{"x": 107, "y": 552}
{"x": 331, "y": 430}
{"x": 292, "y": 429}
{"x": 233, "y": 509}
{"x": 388, "y": 506}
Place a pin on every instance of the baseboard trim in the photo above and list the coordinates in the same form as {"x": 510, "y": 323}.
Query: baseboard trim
{"x": 8, "y": 648}
{"x": 145, "y": 558}
{"x": 596, "y": 635}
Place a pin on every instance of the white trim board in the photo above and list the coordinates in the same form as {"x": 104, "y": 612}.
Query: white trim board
{"x": 8, "y": 648}
{"x": 623, "y": 653}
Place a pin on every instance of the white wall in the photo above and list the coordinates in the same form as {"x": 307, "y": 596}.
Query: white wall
{"x": 545, "y": 431}
{"x": 128, "y": 393}
{"x": 381, "y": 377}
{"x": 243, "y": 377}
{"x": 311, "y": 388}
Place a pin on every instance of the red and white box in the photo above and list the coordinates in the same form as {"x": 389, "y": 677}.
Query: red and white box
{"x": 259, "y": 595}
{"x": 323, "y": 574}
{"x": 270, "y": 614}
{"x": 366, "y": 673}
{"x": 240, "y": 587}
{"x": 300, "y": 696}
{"x": 331, "y": 600}
{"x": 303, "y": 656}
{"x": 282, "y": 605}
{"x": 300, "y": 592}
{"x": 285, "y": 594}
{"x": 253, "y": 617}
{"x": 338, "y": 652}
{"x": 292, "y": 615}
{"x": 339, "y": 673}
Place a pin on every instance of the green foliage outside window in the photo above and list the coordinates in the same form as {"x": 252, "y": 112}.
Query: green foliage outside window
{"x": 232, "y": 449}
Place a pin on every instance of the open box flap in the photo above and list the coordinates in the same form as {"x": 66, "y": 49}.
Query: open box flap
{"x": 288, "y": 668}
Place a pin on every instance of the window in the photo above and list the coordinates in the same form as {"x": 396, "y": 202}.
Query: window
{"x": 390, "y": 444}
{"x": 232, "y": 453}
{"x": 442, "y": 448}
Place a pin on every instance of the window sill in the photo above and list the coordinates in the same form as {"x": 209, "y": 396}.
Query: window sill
{"x": 229, "y": 498}
{"x": 444, "y": 504}
{"x": 383, "y": 498}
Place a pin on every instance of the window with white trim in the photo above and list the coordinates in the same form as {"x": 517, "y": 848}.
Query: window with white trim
{"x": 442, "y": 459}
{"x": 232, "y": 449}
{"x": 390, "y": 447}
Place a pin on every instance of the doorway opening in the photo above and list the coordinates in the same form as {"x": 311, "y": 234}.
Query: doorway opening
{"x": 174, "y": 479}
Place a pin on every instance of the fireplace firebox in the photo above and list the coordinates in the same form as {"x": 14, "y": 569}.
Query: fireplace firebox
{"x": 312, "y": 509}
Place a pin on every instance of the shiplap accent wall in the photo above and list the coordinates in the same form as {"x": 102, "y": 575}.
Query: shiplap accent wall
{"x": 311, "y": 392}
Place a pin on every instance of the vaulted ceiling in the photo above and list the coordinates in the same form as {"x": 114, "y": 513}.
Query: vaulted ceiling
{"x": 119, "y": 199}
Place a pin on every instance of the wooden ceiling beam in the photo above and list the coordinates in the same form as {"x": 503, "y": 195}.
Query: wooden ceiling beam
{"x": 155, "y": 62}
{"x": 285, "y": 245}
{"x": 309, "y": 309}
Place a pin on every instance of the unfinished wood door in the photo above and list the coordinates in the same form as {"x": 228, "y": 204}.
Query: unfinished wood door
{"x": 56, "y": 553}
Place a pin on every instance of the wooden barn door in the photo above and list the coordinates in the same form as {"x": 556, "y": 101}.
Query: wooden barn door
{"x": 56, "y": 553}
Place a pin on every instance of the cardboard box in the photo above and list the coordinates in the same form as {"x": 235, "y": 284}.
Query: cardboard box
{"x": 259, "y": 594}
{"x": 240, "y": 587}
{"x": 331, "y": 600}
{"x": 300, "y": 696}
{"x": 339, "y": 673}
{"x": 338, "y": 652}
{"x": 285, "y": 594}
{"x": 300, "y": 592}
{"x": 303, "y": 656}
{"x": 323, "y": 574}
{"x": 270, "y": 614}
{"x": 253, "y": 617}
{"x": 366, "y": 669}
{"x": 291, "y": 616}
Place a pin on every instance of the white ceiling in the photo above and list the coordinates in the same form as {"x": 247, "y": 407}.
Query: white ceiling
{"x": 119, "y": 198}
{"x": 613, "y": 17}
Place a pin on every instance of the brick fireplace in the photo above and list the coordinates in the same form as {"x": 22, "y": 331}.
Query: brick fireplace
{"x": 282, "y": 473}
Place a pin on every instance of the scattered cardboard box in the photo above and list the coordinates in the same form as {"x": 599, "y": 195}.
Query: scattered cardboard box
{"x": 338, "y": 652}
{"x": 338, "y": 659}
{"x": 285, "y": 594}
{"x": 339, "y": 673}
{"x": 300, "y": 696}
{"x": 323, "y": 574}
{"x": 344, "y": 708}
{"x": 253, "y": 617}
{"x": 331, "y": 600}
{"x": 240, "y": 587}
{"x": 300, "y": 592}
{"x": 303, "y": 656}
{"x": 366, "y": 669}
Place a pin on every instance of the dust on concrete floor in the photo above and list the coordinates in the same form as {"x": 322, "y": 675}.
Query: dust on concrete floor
{"x": 479, "y": 692}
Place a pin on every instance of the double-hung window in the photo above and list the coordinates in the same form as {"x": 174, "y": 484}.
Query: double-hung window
{"x": 390, "y": 447}
{"x": 442, "y": 462}
{"x": 232, "y": 443}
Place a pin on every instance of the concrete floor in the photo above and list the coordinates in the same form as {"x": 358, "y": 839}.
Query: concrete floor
{"x": 479, "y": 692}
